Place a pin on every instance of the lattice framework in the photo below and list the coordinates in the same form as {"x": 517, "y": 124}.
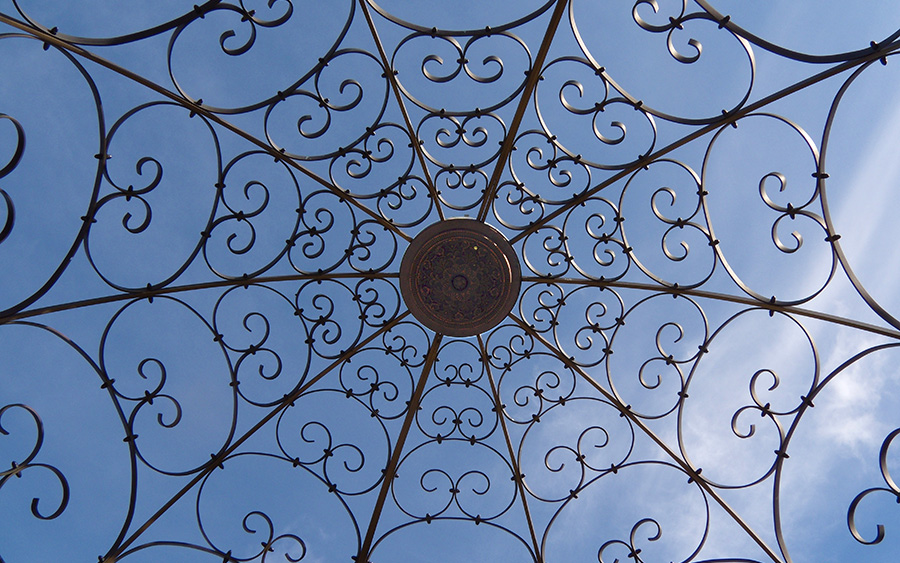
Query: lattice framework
{"x": 268, "y": 354}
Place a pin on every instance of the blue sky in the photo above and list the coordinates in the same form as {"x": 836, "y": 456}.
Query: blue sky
{"x": 453, "y": 497}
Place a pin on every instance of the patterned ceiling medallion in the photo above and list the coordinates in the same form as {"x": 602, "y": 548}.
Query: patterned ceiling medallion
{"x": 460, "y": 277}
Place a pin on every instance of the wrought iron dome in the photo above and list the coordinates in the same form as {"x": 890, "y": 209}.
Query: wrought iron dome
{"x": 514, "y": 281}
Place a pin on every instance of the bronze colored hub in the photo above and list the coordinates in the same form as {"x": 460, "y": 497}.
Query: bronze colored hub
{"x": 460, "y": 277}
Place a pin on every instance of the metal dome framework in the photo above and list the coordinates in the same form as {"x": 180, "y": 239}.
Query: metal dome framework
{"x": 260, "y": 372}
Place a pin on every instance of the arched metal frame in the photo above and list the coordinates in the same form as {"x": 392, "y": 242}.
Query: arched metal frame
{"x": 317, "y": 189}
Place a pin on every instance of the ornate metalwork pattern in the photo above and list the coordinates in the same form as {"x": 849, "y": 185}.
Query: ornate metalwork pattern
{"x": 243, "y": 316}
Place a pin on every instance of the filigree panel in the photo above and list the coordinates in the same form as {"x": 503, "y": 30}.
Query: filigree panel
{"x": 207, "y": 356}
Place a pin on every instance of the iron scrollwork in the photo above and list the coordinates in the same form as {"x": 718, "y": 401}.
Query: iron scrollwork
{"x": 890, "y": 489}
{"x": 29, "y": 463}
{"x": 225, "y": 267}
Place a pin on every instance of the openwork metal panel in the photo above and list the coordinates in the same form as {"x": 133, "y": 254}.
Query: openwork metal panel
{"x": 206, "y": 352}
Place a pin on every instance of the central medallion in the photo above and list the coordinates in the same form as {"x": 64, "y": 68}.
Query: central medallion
{"x": 460, "y": 277}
